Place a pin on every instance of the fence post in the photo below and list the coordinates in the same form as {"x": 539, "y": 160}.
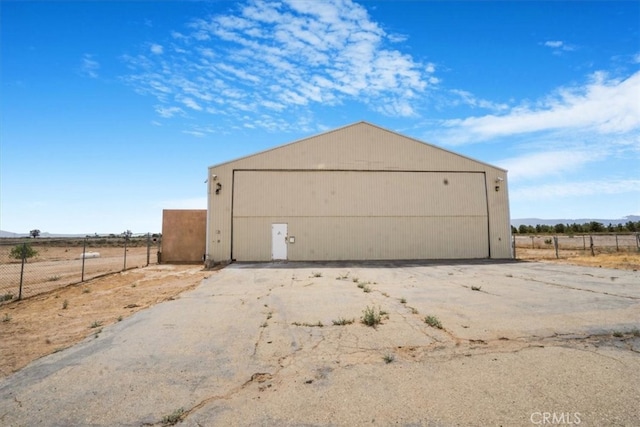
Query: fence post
{"x": 584, "y": 243}
{"x": 126, "y": 237}
{"x": 591, "y": 245}
{"x": 24, "y": 257}
{"x": 148, "y": 247}
{"x": 555, "y": 244}
{"x": 84, "y": 251}
{"x": 532, "y": 247}
{"x": 638, "y": 241}
{"x": 514, "y": 247}
{"x": 617, "y": 248}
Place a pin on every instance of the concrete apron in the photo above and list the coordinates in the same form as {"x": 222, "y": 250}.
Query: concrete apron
{"x": 519, "y": 340}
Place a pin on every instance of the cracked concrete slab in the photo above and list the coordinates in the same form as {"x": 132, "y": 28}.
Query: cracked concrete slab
{"x": 256, "y": 344}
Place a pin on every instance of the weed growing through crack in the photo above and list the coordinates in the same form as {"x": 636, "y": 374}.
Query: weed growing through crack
{"x": 618, "y": 334}
{"x": 366, "y": 289}
{"x": 344, "y": 276}
{"x": 133, "y": 285}
{"x": 173, "y": 418}
{"x": 433, "y": 321}
{"x": 355, "y": 280}
{"x": 6, "y": 318}
{"x": 95, "y": 324}
{"x": 86, "y": 290}
{"x": 6, "y": 297}
{"x": 119, "y": 319}
{"x": 476, "y": 288}
{"x": 342, "y": 321}
{"x": 316, "y": 274}
{"x": 309, "y": 325}
{"x": 371, "y": 317}
{"x": 361, "y": 285}
{"x": 264, "y": 325}
{"x": 53, "y": 278}
{"x": 403, "y": 300}
{"x": 65, "y": 304}
{"x": 635, "y": 332}
{"x": 388, "y": 358}
{"x": 414, "y": 310}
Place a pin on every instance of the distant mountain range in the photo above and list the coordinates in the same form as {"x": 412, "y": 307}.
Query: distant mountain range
{"x": 515, "y": 222}
{"x": 535, "y": 221}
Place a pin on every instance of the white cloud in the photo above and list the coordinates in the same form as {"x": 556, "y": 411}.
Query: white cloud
{"x": 196, "y": 133}
{"x": 168, "y": 112}
{"x": 559, "y": 46}
{"x": 89, "y": 66}
{"x": 572, "y": 189}
{"x": 553, "y": 43}
{"x": 272, "y": 57}
{"x": 189, "y": 102}
{"x": 467, "y": 98}
{"x": 397, "y": 38}
{"x": 156, "y": 49}
{"x": 603, "y": 106}
{"x": 547, "y": 163}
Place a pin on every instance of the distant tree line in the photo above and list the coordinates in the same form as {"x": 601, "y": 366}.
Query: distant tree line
{"x": 587, "y": 227}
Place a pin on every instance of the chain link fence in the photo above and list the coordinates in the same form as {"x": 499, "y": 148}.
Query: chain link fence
{"x": 32, "y": 266}
{"x": 562, "y": 246}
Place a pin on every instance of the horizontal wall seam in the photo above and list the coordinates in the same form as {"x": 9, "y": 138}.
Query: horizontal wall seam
{"x": 360, "y": 216}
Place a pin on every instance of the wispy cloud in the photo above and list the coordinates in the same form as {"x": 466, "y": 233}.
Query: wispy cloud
{"x": 467, "y": 98}
{"x": 277, "y": 57}
{"x": 572, "y": 189}
{"x": 559, "y": 46}
{"x": 89, "y": 66}
{"x": 605, "y": 106}
{"x": 156, "y": 49}
{"x": 547, "y": 163}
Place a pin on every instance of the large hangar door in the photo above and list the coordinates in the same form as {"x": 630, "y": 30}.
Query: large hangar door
{"x": 361, "y": 215}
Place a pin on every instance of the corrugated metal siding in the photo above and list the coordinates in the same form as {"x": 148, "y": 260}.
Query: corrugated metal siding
{"x": 351, "y": 193}
{"x": 347, "y": 215}
{"x": 356, "y": 238}
{"x": 359, "y": 147}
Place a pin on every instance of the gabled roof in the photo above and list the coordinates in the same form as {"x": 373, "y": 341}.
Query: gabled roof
{"x": 343, "y": 128}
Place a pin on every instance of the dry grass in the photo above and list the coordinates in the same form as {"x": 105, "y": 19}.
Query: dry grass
{"x": 58, "y": 319}
{"x": 618, "y": 260}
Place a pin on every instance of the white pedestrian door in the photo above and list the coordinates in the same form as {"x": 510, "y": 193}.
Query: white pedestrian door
{"x": 278, "y": 241}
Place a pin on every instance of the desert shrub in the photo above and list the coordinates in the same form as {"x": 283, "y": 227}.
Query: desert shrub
{"x": 25, "y": 249}
{"x": 433, "y": 321}
{"x": 371, "y": 317}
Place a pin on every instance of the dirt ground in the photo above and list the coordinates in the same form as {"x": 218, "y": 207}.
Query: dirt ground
{"x": 50, "y": 322}
{"x": 627, "y": 260}
{"x": 41, "y": 325}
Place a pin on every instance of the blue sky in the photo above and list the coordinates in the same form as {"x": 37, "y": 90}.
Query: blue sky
{"x": 112, "y": 111}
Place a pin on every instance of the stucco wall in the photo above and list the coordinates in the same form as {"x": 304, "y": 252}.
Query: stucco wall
{"x": 183, "y": 235}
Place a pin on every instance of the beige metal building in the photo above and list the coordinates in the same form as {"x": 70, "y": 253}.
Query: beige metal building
{"x": 359, "y": 192}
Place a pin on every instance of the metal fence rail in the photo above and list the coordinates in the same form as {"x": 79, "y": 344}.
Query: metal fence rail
{"x": 32, "y": 266}
{"x": 592, "y": 244}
